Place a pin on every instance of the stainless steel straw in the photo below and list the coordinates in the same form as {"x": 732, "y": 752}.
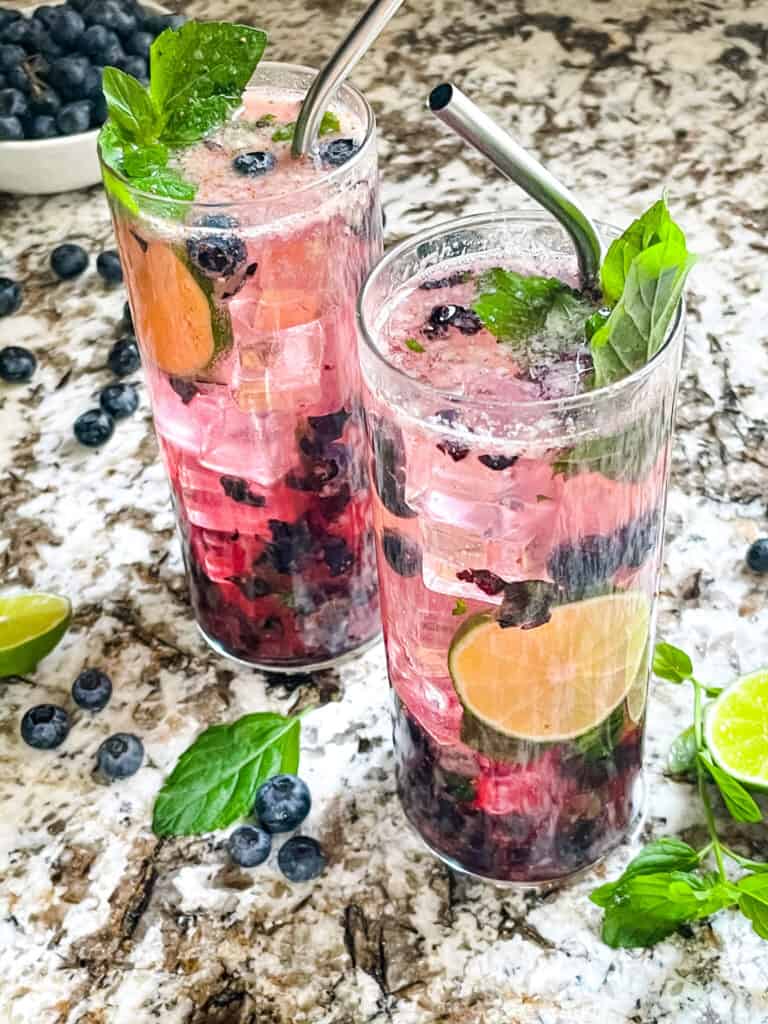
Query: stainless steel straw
{"x": 458, "y": 111}
{"x": 329, "y": 78}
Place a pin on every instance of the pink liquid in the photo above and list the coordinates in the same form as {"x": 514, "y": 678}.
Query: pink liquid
{"x": 261, "y": 434}
{"x": 460, "y": 522}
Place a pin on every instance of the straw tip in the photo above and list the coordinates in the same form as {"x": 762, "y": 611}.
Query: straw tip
{"x": 440, "y": 96}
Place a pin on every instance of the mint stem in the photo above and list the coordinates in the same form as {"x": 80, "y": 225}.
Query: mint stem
{"x": 698, "y": 727}
{"x": 744, "y": 862}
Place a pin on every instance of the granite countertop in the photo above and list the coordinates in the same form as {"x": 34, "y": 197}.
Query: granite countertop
{"x": 101, "y": 923}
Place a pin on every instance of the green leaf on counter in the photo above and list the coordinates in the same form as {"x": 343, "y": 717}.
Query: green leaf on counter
{"x": 215, "y": 780}
{"x": 753, "y": 901}
{"x": 681, "y": 758}
{"x": 665, "y": 854}
{"x": 671, "y": 663}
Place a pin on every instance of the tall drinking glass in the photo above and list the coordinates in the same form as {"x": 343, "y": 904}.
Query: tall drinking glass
{"x": 518, "y": 520}
{"x": 244, "y": 307}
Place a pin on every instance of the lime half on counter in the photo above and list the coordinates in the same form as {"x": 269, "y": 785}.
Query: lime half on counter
{"x": 737, "y": 729}
{"x": 30, "y": 627}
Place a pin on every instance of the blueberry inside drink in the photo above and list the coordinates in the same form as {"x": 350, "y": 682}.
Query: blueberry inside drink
{"x": 519, "y": 434}
{"x": 242, "y": 265}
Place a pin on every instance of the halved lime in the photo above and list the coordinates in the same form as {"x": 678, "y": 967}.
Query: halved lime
{"x": 557, "y": 681}
{"x": 30, "y": 627}
{"x": 736, "y": 729}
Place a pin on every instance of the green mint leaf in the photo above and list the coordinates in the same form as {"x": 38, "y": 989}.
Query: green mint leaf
{"x": 414, "y": 345}
{"x": 196, "y": 119}
{"x": 638, "y": 324}
{"x": 649, "y": 907}
{"x": 654, "y": 226}
{"x": 593, "y": 323}
{"x": 512, "y": 306}
{"x": 671, "y": 663}
{"x": 665, "y": 854}
{"x": 628, "y": 455}
{"x": 284, "y": 133}
{"x": 330, "y": 123}
{"x": 201, "y": 61}
{"x": 741, "y": 805}
{"x": 166, "y": 184}
{"x": 460, "y": 608}
{"x": 600, "y": 741}
{"x": 142, "y": 161}
{"x": 130, "y": 107}
{"x": 215, "y": 780}
{"x": 681, "y": 759}
{"x": 753, "y": 901}
{"x": 266, "y": 120}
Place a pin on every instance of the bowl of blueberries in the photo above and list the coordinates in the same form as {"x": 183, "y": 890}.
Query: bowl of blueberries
{"x": 51, "y": 105}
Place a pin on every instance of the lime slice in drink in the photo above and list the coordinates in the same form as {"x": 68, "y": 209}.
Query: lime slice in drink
{"x": 736, "y": 729}
{"x": 30, "y": 627}
{"x": 556, "y": 681}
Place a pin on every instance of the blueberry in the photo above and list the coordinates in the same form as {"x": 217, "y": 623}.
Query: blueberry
{"x": 124, "y": 357}
{"x": 157, "y": 23}
{"x": 337, "y": 555}
{"x": 67, "y": 76}
{"x": 401, "y": 554}
{"x": 41, "y": 126}
{"x": 10, "y": 296}
{"x": 10, "y": 56}
{"x": 585, "y": 563}
{"x": 185, "y": 389}
{"x": 337, "y": 151}
{"x": 757, "y": 555}
{"x": 111, "y": 15}
{"x": 254, "y": 164}
{"x": 637, "y": 539}
{"x": 238, "y": 490}
{"x": 92, "y": 689}
{"x": 18, "y": 78}
{"x": 465, "y": 320}
{"x": 45, "y": 102}
{"x": 290, "y": 543}
{"x": 13, "y": 103}
{"x": 456, "y": 451}
{"x": 68, "y": 261}
{"x": 74, "y": 118}
{"x": 134, "y": 65}
{"x": 26, "y": 32}
{"x": 127, "y": 316}
{"x": 119, "y": 400}
{"x": 45, "y": 726}
{"x": 249, "y": 846}
{"x": 98, "y": 111}
{"x": 389, "y": 468}
{"x": 251, "y": 587}
{"x": 7, "y": 16}
{"x": 65, "y": 26}
{"x": 108, "y": 266}
{"x": 330, "y": 426}
{"x": 301, "y": 858}
{"x": 217, "y": 255}
{"x": 444, "y": 282}
{"x": 120, "y": 756}
{"x": 93, "y": 428}
{"x": 16, "y": 364}
{"x": 92, "y": 83}
{"x": 497, "y": 462}
{"x": 282, "y": 803}
{"x": 574, "y": 842}
{"x": 319, "y": 473}
{"x": 138, "y": 44}
{"x": 10, "y": 129}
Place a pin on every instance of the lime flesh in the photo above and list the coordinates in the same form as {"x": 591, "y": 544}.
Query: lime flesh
{"x": 736, "y": 729}
{"x": 30, "y": 627}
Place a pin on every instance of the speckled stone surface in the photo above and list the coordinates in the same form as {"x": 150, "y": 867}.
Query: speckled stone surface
{"x": 101, "y": 923}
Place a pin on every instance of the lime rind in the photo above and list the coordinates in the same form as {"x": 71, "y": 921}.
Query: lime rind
{"x": 31, "y": 625}
{"x": 736, "y": 729}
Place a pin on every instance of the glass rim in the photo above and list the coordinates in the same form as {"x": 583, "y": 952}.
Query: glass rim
{"x": 538, "y": 405}
{"x": 323, "y": 179}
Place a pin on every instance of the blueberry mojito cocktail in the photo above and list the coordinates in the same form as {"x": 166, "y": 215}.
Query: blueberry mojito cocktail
{"x": 242, "y": 266}
{"x": 520, "y": 432}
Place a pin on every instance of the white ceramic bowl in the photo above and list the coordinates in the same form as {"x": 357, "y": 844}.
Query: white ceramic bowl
{"x": 44, "y": 166}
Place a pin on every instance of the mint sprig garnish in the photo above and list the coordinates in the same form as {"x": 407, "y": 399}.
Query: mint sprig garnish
{"x": 513, "y": 306}
{"x": 215, "y": 780}
{"x": 668, "y": 884}
{"x": 197, "y": 76}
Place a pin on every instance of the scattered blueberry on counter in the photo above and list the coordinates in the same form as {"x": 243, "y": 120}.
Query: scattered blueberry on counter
{"x": 119, "y": 400}
{"x": 10, "y": 296}
{"x": 757, "y": 556}
{"x": 301, "y": 858}
{"x": 16, "y": 364}
{"x": 92, "y": 689}
{"x": 120, "y": 756}
{"x": 282, "y": 803}
{"x": 124, "y": 357}
{"x": 249, "y": 846}
{"x": 45, "y": 726}
{"x": 68, "y": 261}
{"x": 94, "y": 428}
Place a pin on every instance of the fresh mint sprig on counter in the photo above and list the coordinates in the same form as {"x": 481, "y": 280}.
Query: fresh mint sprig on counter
{"x": 668, "y": 884}
{"x": 197, "y": 76}
{"x": 642, "y": 279}
{"x": 215, "y": 780}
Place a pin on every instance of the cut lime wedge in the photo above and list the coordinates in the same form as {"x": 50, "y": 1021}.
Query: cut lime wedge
{"x": 736, "y": 729}
{"x": 30, "y": 627}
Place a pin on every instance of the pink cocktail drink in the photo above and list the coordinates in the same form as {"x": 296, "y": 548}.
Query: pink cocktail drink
{"x": 243, "y": 302}
{"x": 518, "y": 519}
